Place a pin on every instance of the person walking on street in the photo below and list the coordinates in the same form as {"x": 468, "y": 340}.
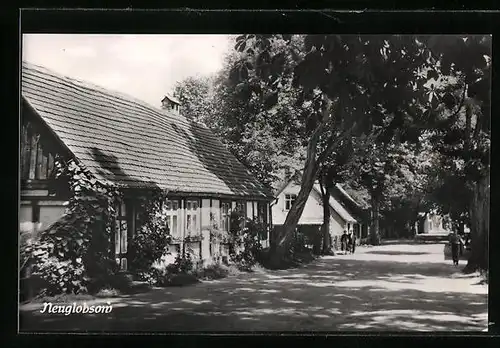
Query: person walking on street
{"x": 353, "y": 245}
{"x": 455, "y": 241}
{"x": 343, "y": 242}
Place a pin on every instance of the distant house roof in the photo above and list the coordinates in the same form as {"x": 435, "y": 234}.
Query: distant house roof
{"x": 171, "y": 98}
{"x": 334, "y": 203}
{"x": 344, "y": 192}
{"x": 337, "y": 207}
{"x": 132, "y": 144}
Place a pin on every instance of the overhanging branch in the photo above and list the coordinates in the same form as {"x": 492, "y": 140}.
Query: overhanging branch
{"x": 333, "y": 143}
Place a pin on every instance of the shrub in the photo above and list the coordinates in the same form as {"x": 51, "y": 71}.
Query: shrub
{"x": 60, "y": 276}
{"x": 172, "y": 273}
{"x": 249, "y": 247}
{"x": 149, "y": 244}
{"x": 183, "y": 263}
{"x": 108, "y": 292}
{"x": 73, "y": 255}
{"x": 213, "y": 271}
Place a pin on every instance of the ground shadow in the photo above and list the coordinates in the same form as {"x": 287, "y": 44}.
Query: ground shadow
{"x": 327, "y": 295}
{"x": 383, "y": 252}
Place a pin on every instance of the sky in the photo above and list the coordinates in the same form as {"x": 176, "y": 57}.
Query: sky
{"x": 143, "y": 66}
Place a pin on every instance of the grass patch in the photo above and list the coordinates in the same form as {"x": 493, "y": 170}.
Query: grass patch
{"x": 217, "y": 271}
{"x": 63, "y": 298}
{"x": 108, "y": 292}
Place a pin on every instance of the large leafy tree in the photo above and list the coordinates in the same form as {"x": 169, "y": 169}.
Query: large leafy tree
{"x": 335, "y": 169}
{"x": 352, "y": 85}
{"x": 460, "y": 99}
{"x": 266, "y": 148}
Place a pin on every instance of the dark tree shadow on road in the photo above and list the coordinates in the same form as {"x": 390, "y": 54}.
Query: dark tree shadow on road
{"x": 328, "y": 295}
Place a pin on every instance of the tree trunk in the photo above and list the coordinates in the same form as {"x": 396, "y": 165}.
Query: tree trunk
{"x": 325, "y": 227}
{"x": 375, "y": 230}
{"x": 284, "y": 235}
{"x": 479, "y": 229}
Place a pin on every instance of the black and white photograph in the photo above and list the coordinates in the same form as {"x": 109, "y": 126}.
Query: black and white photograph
{"x": 254, "y": 182}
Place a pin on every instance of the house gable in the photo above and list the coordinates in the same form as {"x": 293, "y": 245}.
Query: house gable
{"x": 39, "y": 149}
{"x": 313, "y": 211}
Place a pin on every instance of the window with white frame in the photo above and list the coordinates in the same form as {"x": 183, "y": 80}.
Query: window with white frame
{"x": 241, "y": 208}
{"x": 225, "y": 212}
{"x": 289, "y": 200}
{"x": 172, "y": 213}
{"x": 192, "y": 217}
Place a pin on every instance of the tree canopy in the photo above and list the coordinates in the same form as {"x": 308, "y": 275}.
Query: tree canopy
{"x": 408, "y": 115}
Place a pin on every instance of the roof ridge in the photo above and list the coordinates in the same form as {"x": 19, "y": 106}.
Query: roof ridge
{"x": 93, "y": 86}
{"x": 190, "y": 157}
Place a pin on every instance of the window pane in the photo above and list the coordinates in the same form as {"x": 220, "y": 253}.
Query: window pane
{"x": 123, "y": 242}
{"x": 195, "y": 227}
{"x": 123, "y": 264}
{"x": 195, "y": 205}
{"x": 117, "y": 237}
{"x": 168, "y": 205}
{"x": 188, "y": 222}
{"x": 188, "y": 205}
{"x": 174, "y": 225}
{"x": 123, "y": 211}
{"x": 175, "y": 205}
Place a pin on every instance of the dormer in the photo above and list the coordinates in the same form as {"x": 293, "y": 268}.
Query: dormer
{"x": 171, "y": 104}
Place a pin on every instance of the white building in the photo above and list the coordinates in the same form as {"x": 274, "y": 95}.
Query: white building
{"x": 312, "y": 217}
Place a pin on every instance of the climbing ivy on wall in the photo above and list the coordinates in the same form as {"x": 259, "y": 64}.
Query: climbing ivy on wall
{"x": 75, "y": 254}
{"x": 152, "y": 235}
{"x": 75, "y": 249}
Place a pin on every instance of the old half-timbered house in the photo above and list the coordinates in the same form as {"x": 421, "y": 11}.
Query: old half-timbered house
{"x": 135, "y": 146}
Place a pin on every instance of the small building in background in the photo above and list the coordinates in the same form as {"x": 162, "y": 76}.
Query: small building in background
{"x": 433, "y": 223}
{"x": 341, "y": 216}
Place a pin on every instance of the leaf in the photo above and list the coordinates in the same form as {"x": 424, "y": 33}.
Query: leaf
{"x": 243, "y": 72}
{"x": 271, "y": 100}
{"x": 432, "y": 74}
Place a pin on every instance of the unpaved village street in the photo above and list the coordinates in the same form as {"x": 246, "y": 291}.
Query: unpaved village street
{"x": 391, "y": 287}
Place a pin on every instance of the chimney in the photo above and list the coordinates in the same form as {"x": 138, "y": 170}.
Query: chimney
{"x": 171, "y": 104}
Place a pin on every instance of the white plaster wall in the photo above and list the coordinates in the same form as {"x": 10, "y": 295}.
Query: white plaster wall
{"x": 313, "y": 210}
{"x": 50, "y": 214}
{"x": 337, "y": 224}
{"x": 25, "y": 224}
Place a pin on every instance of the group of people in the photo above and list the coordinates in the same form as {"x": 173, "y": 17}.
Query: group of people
{"x": 348, "y": 242}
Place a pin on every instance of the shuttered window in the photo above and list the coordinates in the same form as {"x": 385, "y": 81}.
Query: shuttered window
{"x": 225, "y": 211}
{"x": 172, "y": 211}
{"x": 192, "y": 217}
